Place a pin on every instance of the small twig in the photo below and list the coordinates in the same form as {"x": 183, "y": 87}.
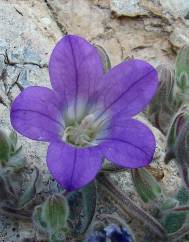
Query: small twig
{"x": 54, "y": 16}
{"x": 18, "y": 11}
{"x": 127, "y": 206}
{"x": 181, "y": 208}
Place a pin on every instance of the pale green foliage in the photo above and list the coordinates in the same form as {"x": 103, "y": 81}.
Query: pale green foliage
{"x": 145, "y": 184}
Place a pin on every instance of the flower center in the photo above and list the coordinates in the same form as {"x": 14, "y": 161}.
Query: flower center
{"x": 84, "y": 132}
{"x": 84, "y": 125}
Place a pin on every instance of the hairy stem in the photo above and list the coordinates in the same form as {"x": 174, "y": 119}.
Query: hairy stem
{"x": 127, "y": 206}
{"x": 18, "y": 214}
{"x": 181, "y": 208}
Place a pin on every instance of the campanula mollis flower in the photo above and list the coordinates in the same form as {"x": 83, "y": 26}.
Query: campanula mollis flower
{"x": 111, "y": 233}
{"x": 87, "y": 115}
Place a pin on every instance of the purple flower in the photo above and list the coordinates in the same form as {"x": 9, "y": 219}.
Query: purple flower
{"x": 111, "y": 233}
{"x": 88, "y": 115}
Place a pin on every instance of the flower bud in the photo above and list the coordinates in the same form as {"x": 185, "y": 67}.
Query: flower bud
{"x": 180, "y": 119}
{"x": 146, "y": 185}
{"x": 182, "y": 69}
{"x": 182, "y": 144}
{"x": 183, "y": 82}
{"x": 51, "y": 217}
{"x": 162, "y": 107}
{"x": 11, "y": 156}
{"x": 178, "y": 144}
{"x": 55, "y": 212}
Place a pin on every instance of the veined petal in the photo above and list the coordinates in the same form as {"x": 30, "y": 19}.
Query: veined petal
{"x": 36, "y": 114}
{"x": 129, "y": 87}
{"x": 75, "y": 69}
{"x": 73, "y": 167}
{"x": 130, "y": 144}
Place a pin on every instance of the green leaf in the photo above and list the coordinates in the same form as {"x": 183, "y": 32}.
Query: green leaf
{"x": 82, "y": 208}
{"x": 183, "y": 196}
{"x": 174, "y": 221}
{"x": 89, "y": 204}
{"x": 5, "y": 147}
{"x": 146, "y": 185}
{"x": 37, "y": 219}
{"x": 5, "y": 193}
{"x": 13, "y": 139}
{"x": 169, "y": 203}
{"x": 17, "y": 161}
{"x": 30, "y": 192}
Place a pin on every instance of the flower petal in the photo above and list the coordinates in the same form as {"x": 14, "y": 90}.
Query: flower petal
{"x": 129, "y": 87}
{"x": 130, "y": 144}
{"x": 72, "y": 167}
{"x": 35, "y": 113}
{"x": 75, "y": 68}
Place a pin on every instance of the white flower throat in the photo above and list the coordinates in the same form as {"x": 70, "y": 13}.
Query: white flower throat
{"x": 84, "y": 129}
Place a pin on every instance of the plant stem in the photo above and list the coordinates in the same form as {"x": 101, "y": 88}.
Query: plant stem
{"x": 181, "y": 208}
{"x": 18, "y": 214}
{"x": 127, "y": 206}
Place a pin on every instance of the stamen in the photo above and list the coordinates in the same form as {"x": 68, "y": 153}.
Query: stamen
{"x": 84, "y": 129}
{"x": 87, "y": 122}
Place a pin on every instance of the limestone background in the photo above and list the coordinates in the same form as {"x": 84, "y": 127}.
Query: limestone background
{"x": 152, "y": 30}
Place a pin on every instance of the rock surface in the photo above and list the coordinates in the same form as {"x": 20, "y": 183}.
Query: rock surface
{"x": 128, "y": 8}
{"x": 150, "y": 30}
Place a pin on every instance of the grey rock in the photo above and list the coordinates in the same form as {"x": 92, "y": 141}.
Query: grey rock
{"x": 130, "y": 8}
{"x": 176, "y": 8}
{"x": 180, "y": 37}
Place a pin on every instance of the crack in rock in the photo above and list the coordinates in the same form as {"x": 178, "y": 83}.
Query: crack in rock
{"x": 54, "y": 15}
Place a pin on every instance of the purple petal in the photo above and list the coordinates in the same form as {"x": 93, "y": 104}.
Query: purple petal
{"x": 73, "y": 168}
{"x": 75, "y": 68}
{"x": 129, "y": 87}
{"x": 35, "y": 114}
{"x": 130, "y": 144}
